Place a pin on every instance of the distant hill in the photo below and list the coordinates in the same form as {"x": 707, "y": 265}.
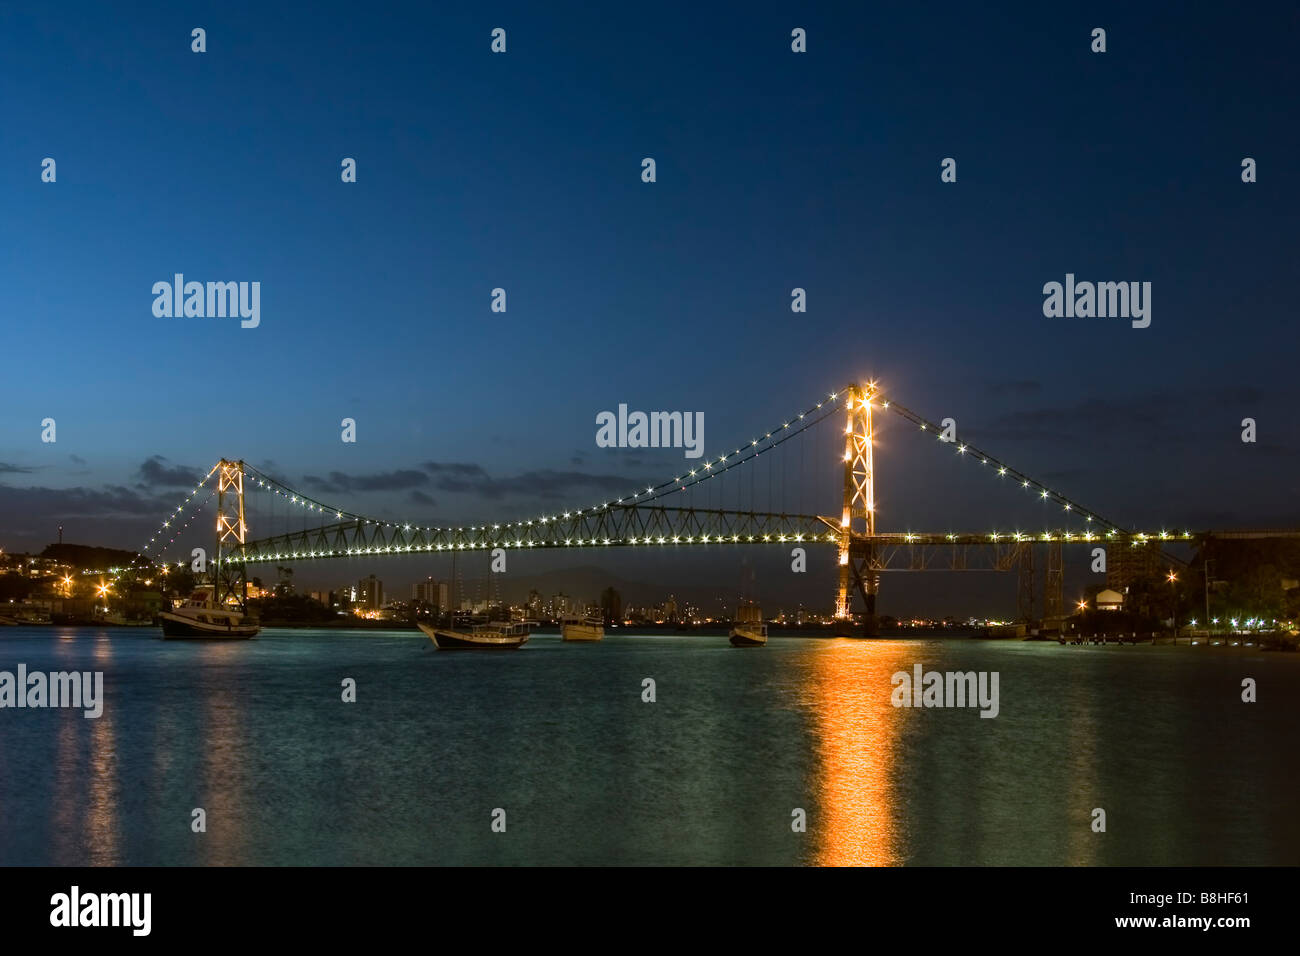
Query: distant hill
{"x": 89, "y": 557}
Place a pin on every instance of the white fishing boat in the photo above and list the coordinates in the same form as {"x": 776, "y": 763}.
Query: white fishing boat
{"x": 497, "y": 635}
{"x": 749, "y": 629}
{"x": 199, "y": 617}
{"x": 575, "y": 628}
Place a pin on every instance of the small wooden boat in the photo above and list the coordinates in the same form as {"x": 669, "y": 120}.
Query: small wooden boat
{"x": 200, "y": 618}
{"x": 749, "y": 635}
{"x": 576, "y": 628}
{"x": 498, "y": 635}
{"x": 749, "y": 629}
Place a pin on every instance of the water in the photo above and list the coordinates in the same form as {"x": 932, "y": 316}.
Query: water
{"x": 558, "y": 736}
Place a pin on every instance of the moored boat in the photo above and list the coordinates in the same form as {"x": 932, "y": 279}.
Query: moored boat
{"x": 749, "y": 629}
{"x": 749, "y": 635}
{"x": 199, "y": 617}
{"x": 576, "y": 628}
{"x": 498, "y": 635}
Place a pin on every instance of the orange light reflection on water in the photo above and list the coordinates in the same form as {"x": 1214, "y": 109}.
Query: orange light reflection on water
{"x": 856, "y": 731}
{"x": 101, "y": 817}
{"x": 222, "y": 743}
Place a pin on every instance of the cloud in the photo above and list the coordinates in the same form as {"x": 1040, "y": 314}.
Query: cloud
{"x": 453, "y": 468}
{"x": 461, "y": 478}
{"x": 1063, "y": 474}
{"x": 1156, "y": 417}
{"x": 420, "y": 498}
{"x": 1019, "y": 388}
{"x": 111, "y": 501}
{"x": 340, "y": 483}
{"x": 1274, "y": 449}
{"x": 155, "y": 474}
{"x": 8, "y": 469}
{"x": 271, "y": 468}
{"x": 1061, "y": 423}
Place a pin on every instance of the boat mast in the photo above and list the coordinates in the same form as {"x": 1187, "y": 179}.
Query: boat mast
{"x": 455, "y": 589}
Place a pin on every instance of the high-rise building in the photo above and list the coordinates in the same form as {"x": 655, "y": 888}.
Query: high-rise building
{"x": 561, "y": 604}
{"x": 370, "y": 592}
{"x": 433, "y": 593}
{"x": 1126, "y": 564}
{"x": 428, "y": 591}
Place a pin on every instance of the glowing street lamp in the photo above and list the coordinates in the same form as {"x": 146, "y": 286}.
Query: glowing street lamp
{"x": 1173, "y": 601}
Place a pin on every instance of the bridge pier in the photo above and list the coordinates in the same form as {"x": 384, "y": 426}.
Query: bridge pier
{"x": 230, "y": 578}
{"x": 870, "y": 627}
{"x": 858, "y": 517}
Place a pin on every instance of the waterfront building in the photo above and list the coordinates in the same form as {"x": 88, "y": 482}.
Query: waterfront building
{"x": 1128, "y": 564}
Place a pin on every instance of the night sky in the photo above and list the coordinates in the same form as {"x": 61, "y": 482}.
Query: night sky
{"x": 775, "y": 170}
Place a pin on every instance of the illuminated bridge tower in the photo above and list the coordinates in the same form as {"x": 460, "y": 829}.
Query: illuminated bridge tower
{"x": 858, "y": 519}
{"x": 230, "y": 577}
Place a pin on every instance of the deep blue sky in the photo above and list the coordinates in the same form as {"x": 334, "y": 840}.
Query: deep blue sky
{"x": 522, "y": 170}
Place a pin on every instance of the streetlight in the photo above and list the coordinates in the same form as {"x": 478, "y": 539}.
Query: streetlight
{"x": 1173, "y": 601}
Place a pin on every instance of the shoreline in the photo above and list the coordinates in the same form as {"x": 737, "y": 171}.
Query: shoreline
{"x": 1277, "y": 641}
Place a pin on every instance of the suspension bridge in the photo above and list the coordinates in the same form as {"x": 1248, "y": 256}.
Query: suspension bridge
{"x": 655, "y": 517}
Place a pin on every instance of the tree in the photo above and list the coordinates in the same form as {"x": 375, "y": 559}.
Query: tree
{"x": 181, "y": 581}
{"x": 14, "y": 587}
{"x": 1255, "y": 593}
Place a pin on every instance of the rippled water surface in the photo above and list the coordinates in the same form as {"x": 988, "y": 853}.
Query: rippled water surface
{"x": 558, "y": 736}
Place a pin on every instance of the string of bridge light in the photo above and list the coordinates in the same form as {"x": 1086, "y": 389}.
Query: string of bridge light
{"x": 755, "y": 448}
{"x": 183, "y": 527}
{"x": 181, "y": 507}
{"x": 1003, "y": 470}
{"x": 179, "y": 529}
{"x": 715, "y": 466}
{"x": 896, "y": 539}
{"x": 171, "y": 519}
{"x": 293, "y": 497}
{"x": 753, "y": 451}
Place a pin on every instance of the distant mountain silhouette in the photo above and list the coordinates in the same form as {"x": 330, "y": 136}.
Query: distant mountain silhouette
{"x": 89, "y": 557}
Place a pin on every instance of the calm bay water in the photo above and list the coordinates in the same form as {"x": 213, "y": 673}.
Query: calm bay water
{"x": 557, "y": 734}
